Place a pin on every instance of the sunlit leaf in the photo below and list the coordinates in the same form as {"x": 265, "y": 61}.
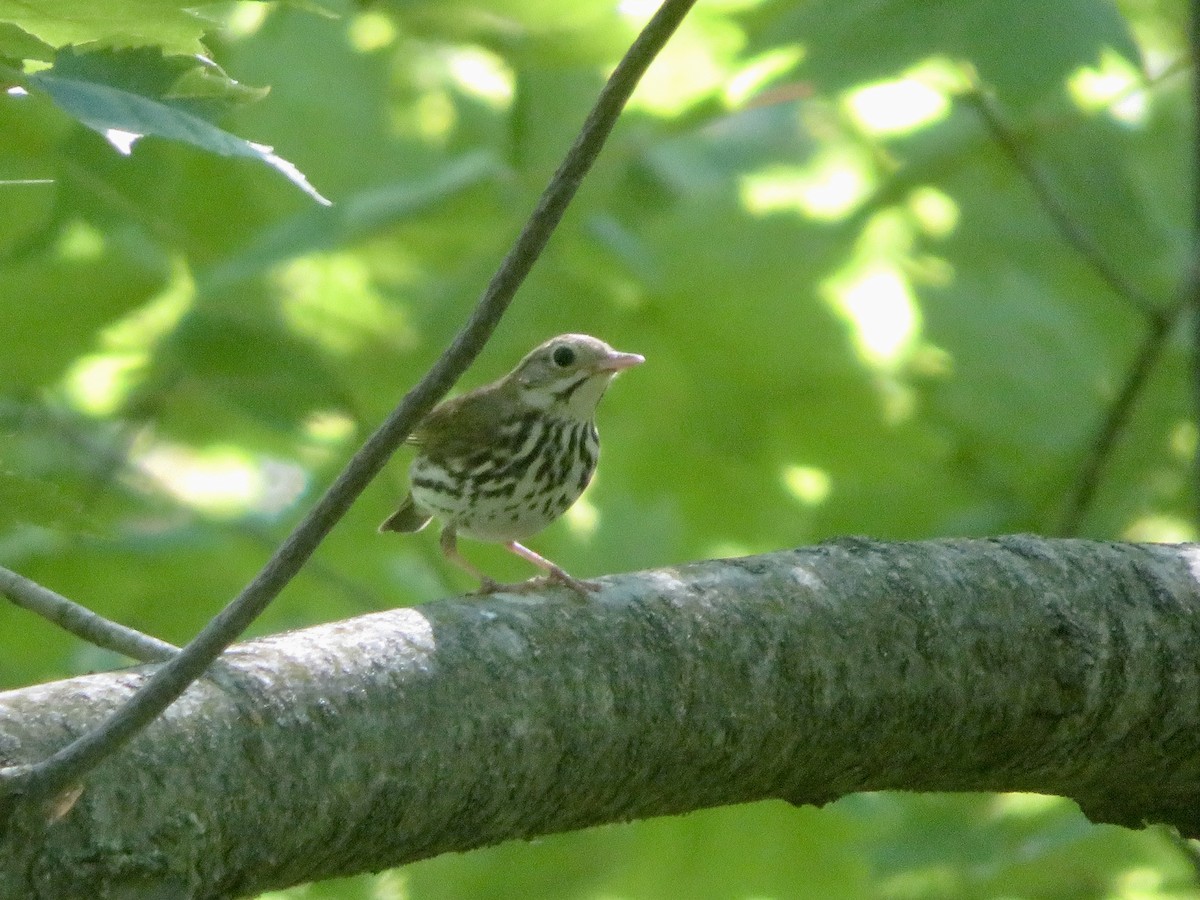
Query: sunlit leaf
{"x": 127, "y": 95}
{"x": 170, "y": 24}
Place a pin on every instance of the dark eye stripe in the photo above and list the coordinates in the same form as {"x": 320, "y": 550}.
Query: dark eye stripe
{"x": 564, "y": 394}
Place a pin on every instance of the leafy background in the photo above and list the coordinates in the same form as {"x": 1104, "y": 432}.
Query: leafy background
{"x": 857, "y": 314}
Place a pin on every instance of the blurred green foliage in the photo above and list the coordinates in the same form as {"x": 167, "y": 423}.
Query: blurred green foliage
{"x": 858, "y": 318}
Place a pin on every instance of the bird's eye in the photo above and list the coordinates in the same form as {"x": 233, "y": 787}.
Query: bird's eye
{"x": 563, "y": 356}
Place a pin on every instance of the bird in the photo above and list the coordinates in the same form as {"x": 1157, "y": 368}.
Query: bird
{"x": 503, "y": 461}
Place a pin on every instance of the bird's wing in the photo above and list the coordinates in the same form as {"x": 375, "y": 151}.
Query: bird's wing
{"x": 461, "y": 423}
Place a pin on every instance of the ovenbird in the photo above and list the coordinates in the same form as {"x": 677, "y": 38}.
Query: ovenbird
{"x": 503, "y": 461}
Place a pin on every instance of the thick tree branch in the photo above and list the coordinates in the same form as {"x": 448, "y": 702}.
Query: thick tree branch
{"x": 1060, "y": 666}
{"x": 81, "y": 752}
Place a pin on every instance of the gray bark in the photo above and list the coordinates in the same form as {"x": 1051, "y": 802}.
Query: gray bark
{"x": 1060, "y": 666}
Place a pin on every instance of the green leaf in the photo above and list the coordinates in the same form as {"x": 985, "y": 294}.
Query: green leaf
{"x": 126, "y": 95}
{"x": 546, "y": 32}
{"x": 25, "y": 500}
{"x": 17, "y": 43}
{"x": 57, "y": 301}
{"x": 352, "y": 219}
{"x": 252, "y": 362}
{"x": 1023, "y": 52}
{"x": 170, "y": 24}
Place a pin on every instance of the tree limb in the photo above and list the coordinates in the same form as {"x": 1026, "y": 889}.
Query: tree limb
{"x": 1060, "y": 666}
{"x": 81, "y": 752}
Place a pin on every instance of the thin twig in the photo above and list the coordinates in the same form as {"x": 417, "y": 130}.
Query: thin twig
{"x": 82, "y": 622}
{"x": 110, "y": 458}
{"x": 1087, "y": 482}
{"x": 1074, "y": 232}
{"x": 1148, "y": 83}
{"x": 71, "y": 762}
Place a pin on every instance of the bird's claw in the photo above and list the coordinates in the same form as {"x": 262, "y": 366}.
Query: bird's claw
{"x": 554, "y": 577}
{"x": 491, "y": 586}
{"x": 583, "y": 588}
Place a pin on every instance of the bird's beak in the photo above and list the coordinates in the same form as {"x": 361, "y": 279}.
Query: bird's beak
{"x": 615, "y": 362}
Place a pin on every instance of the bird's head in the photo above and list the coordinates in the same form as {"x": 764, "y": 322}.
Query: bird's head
{"x": 568, "y": 374}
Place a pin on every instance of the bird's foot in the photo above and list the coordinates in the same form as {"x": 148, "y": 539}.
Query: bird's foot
{"x": 491, "y": 586}
{"x": 583, "y": 588}
{"x": 554, "y": 576}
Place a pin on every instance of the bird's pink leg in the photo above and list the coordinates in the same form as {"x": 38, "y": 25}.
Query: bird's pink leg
{"x": 555, "y": 573}
{"x": 489, "y": 585}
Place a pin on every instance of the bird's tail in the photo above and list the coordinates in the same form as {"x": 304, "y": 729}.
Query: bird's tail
{"x": 406, "y": 518}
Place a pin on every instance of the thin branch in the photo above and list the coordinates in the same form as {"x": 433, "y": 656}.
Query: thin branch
{"x": 82, "y": 622}
{"x": 1074, "y": 232}
{"x": 110, "y": 457}
{"x": 72, "y": 761}
{"x": 1147, "y": 84}
{"x": 1077, "y": 235}
{"x": 1087, "y": 482}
